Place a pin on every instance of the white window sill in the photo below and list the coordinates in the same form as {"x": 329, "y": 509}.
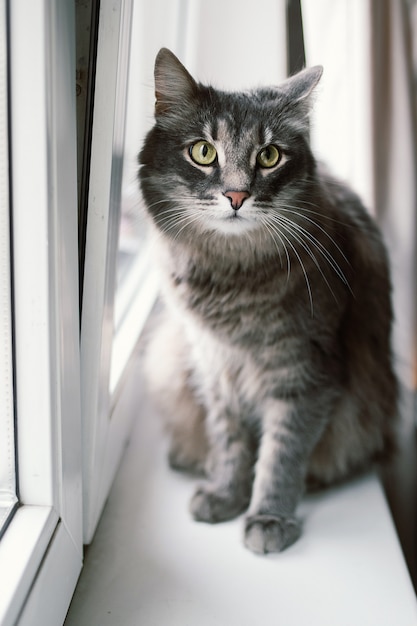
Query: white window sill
{"x": 21, "y": 551}
{"x": 151, "y": 564}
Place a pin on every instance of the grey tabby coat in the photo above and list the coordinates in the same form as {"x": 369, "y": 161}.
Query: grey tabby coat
{"x": 273, "y": 357}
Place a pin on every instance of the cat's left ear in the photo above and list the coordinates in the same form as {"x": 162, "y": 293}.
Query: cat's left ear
{"x": 301, "y": 85}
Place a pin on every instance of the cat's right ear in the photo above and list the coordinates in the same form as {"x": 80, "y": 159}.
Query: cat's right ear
{"x": 174, "y": 86}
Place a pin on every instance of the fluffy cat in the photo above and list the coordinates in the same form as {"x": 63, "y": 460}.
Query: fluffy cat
{"x": 273, "y": 357}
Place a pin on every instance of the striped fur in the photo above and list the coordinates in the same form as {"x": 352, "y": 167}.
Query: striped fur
{"x": 273, "y": 355}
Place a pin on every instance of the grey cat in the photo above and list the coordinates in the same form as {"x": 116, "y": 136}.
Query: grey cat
{"x": 273, "y": 357}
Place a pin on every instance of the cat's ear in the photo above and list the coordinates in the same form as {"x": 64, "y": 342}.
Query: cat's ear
{"x": 301, "y": 85}
{"x": 174, "y": 86}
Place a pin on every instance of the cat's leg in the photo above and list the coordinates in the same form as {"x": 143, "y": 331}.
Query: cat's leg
{"x": 359, "y": 434}
{"x": 289, "y": 435}
{"x": 168, "y": 377}
{"x": 226, "y": 493}
{"x": 186, "y": 431}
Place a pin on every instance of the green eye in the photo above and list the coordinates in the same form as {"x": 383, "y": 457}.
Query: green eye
{"x": 269, "y": 156}
{"x": 203, "y": 153}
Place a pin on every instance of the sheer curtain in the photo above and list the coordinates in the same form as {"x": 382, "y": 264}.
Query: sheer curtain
{"x": 395, "y": 162}
{"x": 364, "y": 128}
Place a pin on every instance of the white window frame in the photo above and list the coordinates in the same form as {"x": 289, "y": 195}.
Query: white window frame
{"x": 46, "y": 531}
{"x": 8, "y": 482}
{"x": 103, "y": 438}
{"x": 109, "y": 330}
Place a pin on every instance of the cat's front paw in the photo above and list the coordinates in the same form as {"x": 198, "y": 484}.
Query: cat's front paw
{"x": 266, "y": 533}
{"x": 210, "y": 505}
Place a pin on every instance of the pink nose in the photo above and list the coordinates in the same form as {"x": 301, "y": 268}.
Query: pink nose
{"x": 237, "y": 198}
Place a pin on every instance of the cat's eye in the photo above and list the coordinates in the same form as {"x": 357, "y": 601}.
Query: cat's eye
{"x": 203, "y": 153}
{"x": 269, "y": 156}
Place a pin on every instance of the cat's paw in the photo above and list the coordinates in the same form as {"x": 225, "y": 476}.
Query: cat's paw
{"x": 266, "y": 533}
{"x": 209, "y": 505}
{"x": 180, "y": 461}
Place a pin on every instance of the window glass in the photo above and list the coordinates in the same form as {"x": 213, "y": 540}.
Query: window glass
{"x": 132, "y": 230}
{"x": 136, "y": 283}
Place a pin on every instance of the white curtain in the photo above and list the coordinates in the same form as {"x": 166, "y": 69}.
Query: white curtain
{"x": 364, "y": 127}
{"x": 235, "y": 44}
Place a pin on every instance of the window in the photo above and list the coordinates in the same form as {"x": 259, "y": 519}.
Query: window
{"x": 104, "y": 430}
{"x": 120, "y": 286}
{"x": 46, "y": 528}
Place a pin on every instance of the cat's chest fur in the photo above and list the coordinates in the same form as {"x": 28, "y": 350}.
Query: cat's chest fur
{"x": 247, "y": 336}
{"x": 240, "y": 305}
{"x": 224, "y": 373}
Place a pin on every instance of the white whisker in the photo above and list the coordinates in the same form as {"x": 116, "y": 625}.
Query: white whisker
{"x": 321, "y": 248}
{"x": 295, "y": 212}
{"x": 273, "y": 231}
{"x": 280, "y": 234}
{"x": 291, "y": 229}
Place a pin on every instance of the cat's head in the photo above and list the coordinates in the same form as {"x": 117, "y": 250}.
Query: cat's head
{"x": 219, "y": 162}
